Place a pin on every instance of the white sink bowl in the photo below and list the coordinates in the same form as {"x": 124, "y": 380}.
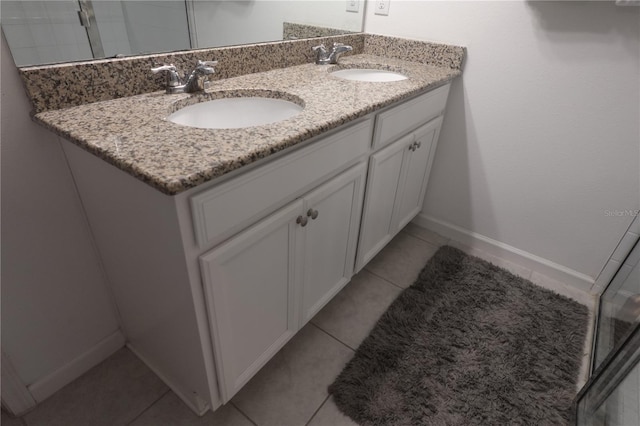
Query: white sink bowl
{"x": 366, "y": 74}
{"x": 235, "y": 113}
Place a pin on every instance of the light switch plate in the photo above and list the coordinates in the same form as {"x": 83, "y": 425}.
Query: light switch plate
{"x": 353, "y": 5}
{"x": 382, "y": 7}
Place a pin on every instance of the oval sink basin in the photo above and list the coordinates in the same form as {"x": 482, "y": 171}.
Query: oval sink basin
{"x": 235, "y": 113}
{"x": 372, "y": 75}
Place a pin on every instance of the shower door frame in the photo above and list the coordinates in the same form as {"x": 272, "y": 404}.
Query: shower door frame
{"x": 88, "y": 20}
{"x": 620, "y": 361}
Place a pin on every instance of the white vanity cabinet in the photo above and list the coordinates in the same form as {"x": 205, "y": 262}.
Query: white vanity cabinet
{"x": 210, "y": 283}
{"x": 399, "y": 172}
{"x": 416, "y": 166}
{"x": 264, "y": 284}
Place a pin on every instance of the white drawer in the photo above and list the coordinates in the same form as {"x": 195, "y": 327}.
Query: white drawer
{"x": 222, "y": 211}
{"x": 398, "y": 121}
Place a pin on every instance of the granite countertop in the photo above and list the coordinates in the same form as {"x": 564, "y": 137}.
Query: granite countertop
{"x": 132, "y": 133}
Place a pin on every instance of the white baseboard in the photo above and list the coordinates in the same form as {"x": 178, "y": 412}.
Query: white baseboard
{"x": 16, "y": 398}
{"x": 194, "y": 402}
{"x": 48, "y": 385}
{"x": 504, "y": 251}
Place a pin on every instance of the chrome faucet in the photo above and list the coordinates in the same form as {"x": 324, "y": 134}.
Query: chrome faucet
{"x": 191, "y": 83}
{"x": 324, "y": 57}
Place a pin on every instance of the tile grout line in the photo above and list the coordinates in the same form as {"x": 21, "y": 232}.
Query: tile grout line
{"x": 385, "y": 279}
{"x": 332, "y": 336}
{"x": 149, "y": 407}
{"x": 316, "y": 412}
{"x": 243, "y": 413}
{"x": 433, "y": 244}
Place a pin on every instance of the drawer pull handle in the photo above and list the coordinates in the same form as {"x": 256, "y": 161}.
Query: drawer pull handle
{"x": 313, "y": 214}
{"x": 302, "y": 221}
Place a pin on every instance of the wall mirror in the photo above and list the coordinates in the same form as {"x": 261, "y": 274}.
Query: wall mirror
{"x": 50, "y": 31}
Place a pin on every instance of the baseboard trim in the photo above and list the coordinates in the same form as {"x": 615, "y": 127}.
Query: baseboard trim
{"x": 198, "y": 406}
{"x": 16, "y": 398}
{"x": 512, "y": 254}
{"x": 51, "y": 383}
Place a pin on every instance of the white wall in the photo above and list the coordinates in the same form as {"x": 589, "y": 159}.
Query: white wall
{"x": 540, "y": 145}
{"x": 226, "y": 23}
{"x": 55, "y": 306}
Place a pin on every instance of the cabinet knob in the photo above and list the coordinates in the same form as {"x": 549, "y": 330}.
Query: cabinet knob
{"x": 313, "y": 214}
{"x": 412, "y": 147}
{"x": 301, "y": 220}
{"x": 418, "y": 144}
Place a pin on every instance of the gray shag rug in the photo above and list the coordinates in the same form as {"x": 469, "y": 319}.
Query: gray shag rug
{"x": 468, "y": 343}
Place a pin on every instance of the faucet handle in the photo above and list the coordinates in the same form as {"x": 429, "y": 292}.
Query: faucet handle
{"x": 342, "y": 47}
{"x": 165, "y": 67}
{"x": 207, "y": 63}
{"x": 205, "y": 67}
{"x": 319, "y": 48}
{"x": 322, "y": 56}
{"x": 173, "y": 79}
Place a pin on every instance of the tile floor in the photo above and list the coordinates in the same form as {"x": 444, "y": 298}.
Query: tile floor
{"x": 292, "y": 388}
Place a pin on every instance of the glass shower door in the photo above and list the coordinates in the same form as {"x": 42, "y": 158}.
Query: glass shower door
{"x": 619, "y": 307}
{"x": 612, "y": 395}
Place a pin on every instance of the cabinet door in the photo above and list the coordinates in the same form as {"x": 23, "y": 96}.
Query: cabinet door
{"x": 250, "y": 283}
{"x": 333, "y": 211}
{"x": 415, "y": 174}
{"x": 382, "y": 186}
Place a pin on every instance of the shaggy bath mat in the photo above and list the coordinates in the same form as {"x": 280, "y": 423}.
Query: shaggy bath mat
{"x": 467, "y": 343}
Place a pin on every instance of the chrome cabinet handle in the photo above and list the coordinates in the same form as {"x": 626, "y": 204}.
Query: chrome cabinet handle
{"x": 415, "y": 146}
{"x": 302, "y": 221}
{"x": 313, "y": 214}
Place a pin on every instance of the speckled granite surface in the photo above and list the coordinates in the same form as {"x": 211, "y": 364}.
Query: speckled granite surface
{"x": 436, "y": 54}
{"x": 293, "y": 31}
{"x": 132, "y": 134}
{"x": 65, "y": 85}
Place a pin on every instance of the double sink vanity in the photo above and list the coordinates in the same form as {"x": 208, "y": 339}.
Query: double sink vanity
{"x": 221, "y": 238}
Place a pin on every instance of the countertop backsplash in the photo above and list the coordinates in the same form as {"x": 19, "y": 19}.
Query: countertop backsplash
{"x": 66, "y": 85}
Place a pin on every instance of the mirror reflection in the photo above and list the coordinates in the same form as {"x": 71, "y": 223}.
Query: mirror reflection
{"x": 50, "y": 31}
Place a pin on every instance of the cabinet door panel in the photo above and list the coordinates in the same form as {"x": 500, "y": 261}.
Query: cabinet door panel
{"x": 249, "y": 283}
{"x": 382, "y": 185}
{"x": 415, "y": 174}
{"x": 330, "y": 239}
